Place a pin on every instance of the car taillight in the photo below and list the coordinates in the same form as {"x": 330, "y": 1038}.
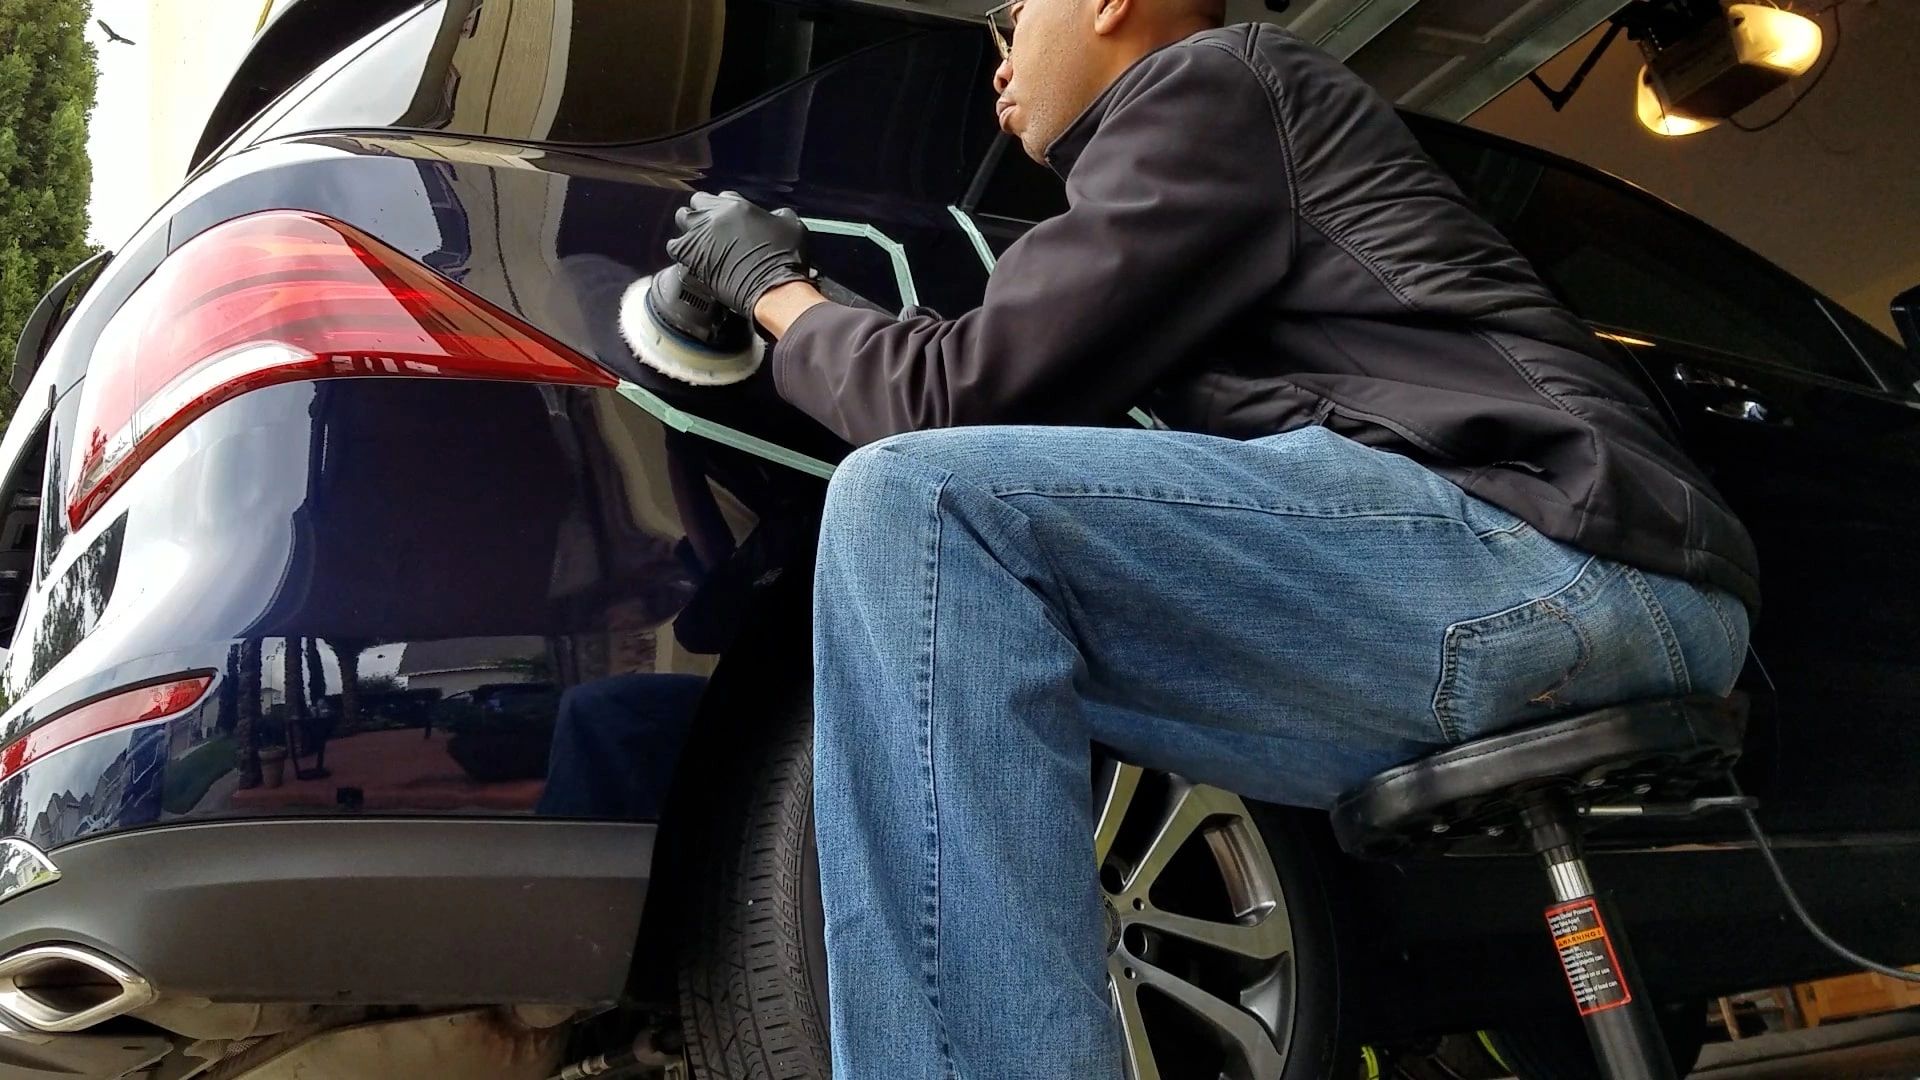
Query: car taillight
{"x": 125, "y": 709}
{"x": 283, "y": 296}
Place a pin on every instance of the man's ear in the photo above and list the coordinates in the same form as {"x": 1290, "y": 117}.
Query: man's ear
{"x": 1110, "y": 15}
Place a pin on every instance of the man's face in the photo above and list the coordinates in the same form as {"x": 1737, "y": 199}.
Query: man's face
{"x": 1044, "y": 83}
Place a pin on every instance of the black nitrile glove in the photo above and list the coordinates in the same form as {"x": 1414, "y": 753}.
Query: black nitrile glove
{"x": 738, "y": 249}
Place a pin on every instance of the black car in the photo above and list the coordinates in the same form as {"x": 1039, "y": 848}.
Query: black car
{"x": 404, "y": 682}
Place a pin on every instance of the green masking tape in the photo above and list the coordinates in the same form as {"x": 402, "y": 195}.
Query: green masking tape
{"x": 902, "y": 271}
{"x": 973, "y": 233}
{"x": 720, "y": 433}
{"x": 980, "y": 248}
{"x": 681, "y": 420}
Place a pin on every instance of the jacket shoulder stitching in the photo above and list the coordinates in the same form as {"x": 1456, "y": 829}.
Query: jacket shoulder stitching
{"x": 1244, "y": 54}
{"x": 1298, "y": 197}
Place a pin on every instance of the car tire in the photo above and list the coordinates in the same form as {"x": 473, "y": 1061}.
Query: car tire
{"x": 752, "y": 966}
{"x": 752, "y": 960}
{"x": 1556, "y": 1047}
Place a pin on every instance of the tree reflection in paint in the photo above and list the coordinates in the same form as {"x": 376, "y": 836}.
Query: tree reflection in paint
{"x": 323, "y": 721}
{"x": 246, "y": 732}
{"x": 229, "y": 719}
{"x": 74, "y": 603}
{"x": 346, "y": 653}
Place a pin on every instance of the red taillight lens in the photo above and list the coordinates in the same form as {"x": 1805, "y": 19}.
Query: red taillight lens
{"x": 277, "y": 297}
{"x": 97, "y": 718}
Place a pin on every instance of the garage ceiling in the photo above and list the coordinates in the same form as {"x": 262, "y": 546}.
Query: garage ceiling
{"x": 1832, "y": 194}
{"x": 1444, "y": 57}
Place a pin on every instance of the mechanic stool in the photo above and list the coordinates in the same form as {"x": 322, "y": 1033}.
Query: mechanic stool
{"x": 1540, "y": 787}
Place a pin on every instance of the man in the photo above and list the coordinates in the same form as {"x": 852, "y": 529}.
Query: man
{"x": 1406, "y": 500}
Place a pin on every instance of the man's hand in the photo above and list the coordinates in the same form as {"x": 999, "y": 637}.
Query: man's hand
{"x": 738, "y": 249}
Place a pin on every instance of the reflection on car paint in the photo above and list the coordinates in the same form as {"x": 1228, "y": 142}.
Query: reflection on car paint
{"x": 75, "y": 602}
{"x": 590, "y": 545}
{"x": 111, "y": 781}
{"x": 65, "y": 612}
{"x": 464, "y": 725}
{"x": 23, "y": 867}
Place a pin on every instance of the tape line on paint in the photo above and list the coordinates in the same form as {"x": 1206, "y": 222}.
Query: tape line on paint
{"x": 896, "y": 254}
{"x": 973, "y": 233}
{"x": 967, "y": 225}
{"x": 686, "y": 422}
{"x": 683, "y": 421}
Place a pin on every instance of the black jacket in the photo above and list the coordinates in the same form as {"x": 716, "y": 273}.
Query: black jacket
{"x": 1254, "y": 243}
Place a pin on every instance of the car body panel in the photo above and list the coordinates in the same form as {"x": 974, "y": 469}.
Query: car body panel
{"x": 443, "y": 533}
{"x": 462, "y": 537}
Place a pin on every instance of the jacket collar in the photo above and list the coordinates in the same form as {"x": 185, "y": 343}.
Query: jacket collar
{"x": 1067, "y": 147}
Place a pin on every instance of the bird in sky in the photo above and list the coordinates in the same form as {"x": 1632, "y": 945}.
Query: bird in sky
{"x": 111, "y": 36}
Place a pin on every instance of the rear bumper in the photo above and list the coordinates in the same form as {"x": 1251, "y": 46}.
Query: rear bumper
{"x": 370, "y": 911}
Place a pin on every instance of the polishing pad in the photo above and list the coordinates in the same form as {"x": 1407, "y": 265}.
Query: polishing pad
{"x": 675, "y": 355}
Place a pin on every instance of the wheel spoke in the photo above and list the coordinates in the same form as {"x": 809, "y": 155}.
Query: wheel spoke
{"x": 1192, "y": 805}
{"x": 1123, "y": 781}
{"x": 1269, "y": 936}
{"x": 1239, "y": 1031}
{"x": 1133, "y": 1026}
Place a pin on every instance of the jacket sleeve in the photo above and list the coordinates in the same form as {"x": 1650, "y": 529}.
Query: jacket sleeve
{"x": 1179, "y": 218}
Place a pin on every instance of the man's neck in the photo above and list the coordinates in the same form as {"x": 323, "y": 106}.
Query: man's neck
{"x": 1151, "y": 39}
{"x": 1066, "y": 148}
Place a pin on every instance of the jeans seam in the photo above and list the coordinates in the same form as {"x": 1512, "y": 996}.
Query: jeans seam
{"x": 1514, "y": 529}
{"x": 1734, "y": 647}
{"x": 1559, "y": 611}
{"x": 1173, "y": 499}
{"x": 931, "y": 914}
{"x": 1449, "y": 664}
{"x": 1663, "y": 626}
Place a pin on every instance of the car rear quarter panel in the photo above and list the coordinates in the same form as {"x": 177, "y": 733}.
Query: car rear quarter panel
{"x": 353, "y": 560}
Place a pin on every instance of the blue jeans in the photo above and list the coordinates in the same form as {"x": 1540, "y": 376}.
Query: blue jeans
{"x": 616, "y": 741}
{"x": 1282, "y": 618}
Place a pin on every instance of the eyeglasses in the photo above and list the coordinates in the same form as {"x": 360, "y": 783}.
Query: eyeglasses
{"x": 1000, "y": 25}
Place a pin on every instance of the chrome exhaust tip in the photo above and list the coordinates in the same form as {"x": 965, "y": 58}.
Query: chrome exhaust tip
{"x": 62, "y": 988}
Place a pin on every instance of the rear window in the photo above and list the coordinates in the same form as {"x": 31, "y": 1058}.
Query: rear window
{"x": 591, "y": 71}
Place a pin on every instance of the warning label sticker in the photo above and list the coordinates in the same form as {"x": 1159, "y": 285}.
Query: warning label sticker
{"x": 1586, "y": 954}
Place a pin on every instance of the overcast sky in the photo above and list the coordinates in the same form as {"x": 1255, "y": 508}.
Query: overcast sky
{"x": 154, "y": 98}
{"x": 117, "y": 135}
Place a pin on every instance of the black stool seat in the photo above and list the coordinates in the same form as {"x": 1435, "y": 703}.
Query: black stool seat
{"x": 1469, "y": 794}
{"x": 1537, "y": 788}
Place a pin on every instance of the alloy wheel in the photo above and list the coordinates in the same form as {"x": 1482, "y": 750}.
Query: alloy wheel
{"x": 1201, "y": 950}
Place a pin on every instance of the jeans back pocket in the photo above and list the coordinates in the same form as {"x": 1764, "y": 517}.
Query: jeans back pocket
{"x": 1506, "y": 664}
{"x": 1599, "y": 640}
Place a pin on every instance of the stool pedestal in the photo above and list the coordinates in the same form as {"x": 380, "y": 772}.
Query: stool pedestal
{"x": 1538, "y": 788}
{"x": 1594, "y": 954}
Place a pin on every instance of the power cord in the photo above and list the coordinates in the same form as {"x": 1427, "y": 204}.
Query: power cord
{"x": 1799, "y": 909}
